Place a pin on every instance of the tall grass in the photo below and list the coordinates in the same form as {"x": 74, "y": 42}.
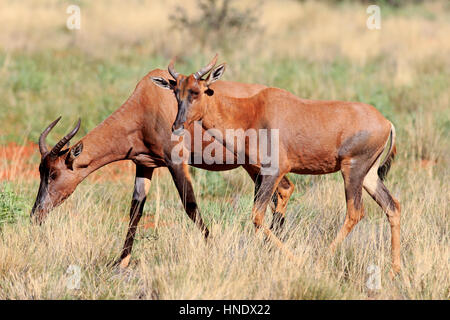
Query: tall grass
{"x": 313, "y": 49}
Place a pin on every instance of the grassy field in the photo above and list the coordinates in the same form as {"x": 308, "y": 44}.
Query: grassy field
{"x": 315, "y": 50}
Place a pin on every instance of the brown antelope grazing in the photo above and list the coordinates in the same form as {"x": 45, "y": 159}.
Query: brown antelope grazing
{"x": 315, "y": 137}
{"x": 139, "y": 131}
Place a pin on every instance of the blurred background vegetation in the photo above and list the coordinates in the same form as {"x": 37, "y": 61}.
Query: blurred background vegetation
{"x": 315, "y": 49}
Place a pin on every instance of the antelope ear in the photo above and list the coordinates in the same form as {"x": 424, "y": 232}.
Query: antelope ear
{"x": 161, "y": 82}
{"x": 74, "y": 152}
{"x": 215, "y": 74}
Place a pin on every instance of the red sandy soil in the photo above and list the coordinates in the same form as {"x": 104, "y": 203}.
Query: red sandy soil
{"x": 15, "y": 162}
{"x": 21, "y": 162}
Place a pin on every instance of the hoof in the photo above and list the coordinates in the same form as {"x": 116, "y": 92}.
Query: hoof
{"x": 394, "y": 272}
{"x": 125, "y": 262}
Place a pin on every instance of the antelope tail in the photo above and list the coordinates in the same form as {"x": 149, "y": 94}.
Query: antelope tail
{"x": 386, "y": 165}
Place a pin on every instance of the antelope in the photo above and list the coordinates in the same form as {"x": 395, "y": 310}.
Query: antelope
{"x": 315, "y": 137}
{"x": 138, "y": 131}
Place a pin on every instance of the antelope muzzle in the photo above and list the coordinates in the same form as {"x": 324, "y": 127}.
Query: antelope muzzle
{"x": 178, "y": 125}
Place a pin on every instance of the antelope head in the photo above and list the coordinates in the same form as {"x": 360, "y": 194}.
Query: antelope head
{"x": 58, "y": 179}
{"x": 189, "y": 91}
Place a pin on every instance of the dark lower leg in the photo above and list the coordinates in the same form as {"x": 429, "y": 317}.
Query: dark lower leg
{"x": 280, "y": 198}
{"x": 181, "y": 178}
{"x": 137, "y": 207}
{"x": 262, "y": 199}
{"x": 143, "y": 176}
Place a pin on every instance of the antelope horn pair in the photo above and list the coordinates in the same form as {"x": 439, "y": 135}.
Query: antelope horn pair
{"x": 61, "y": 143}
{"x": 200, "y": 73}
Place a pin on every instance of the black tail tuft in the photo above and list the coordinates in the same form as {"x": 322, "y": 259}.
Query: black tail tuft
{"x": 384, "y": 169}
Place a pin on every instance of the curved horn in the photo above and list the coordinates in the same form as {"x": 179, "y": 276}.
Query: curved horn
{"x": 64, "y": 140}
{"x": 200, "y": 73}
{"x": 171, "y": 69}
{"x": 42, "y": 146}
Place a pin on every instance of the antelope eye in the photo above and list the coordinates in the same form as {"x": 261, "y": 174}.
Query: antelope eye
{"x": 194, "y": 93}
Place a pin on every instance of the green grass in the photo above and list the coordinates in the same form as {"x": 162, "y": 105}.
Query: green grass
{"x": 76, "y": 85}
{"x": 12, "y": 205}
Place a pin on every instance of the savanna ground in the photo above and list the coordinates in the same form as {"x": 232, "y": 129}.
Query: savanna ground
{"x": 317, "y": 50}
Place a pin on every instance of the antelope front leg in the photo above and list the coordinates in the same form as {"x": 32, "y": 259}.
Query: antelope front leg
{"x": 280, "y": 201}
{"x": 181, "y": 178}
{"x": 141, "y": 187}
{"x": 267, "y": 185}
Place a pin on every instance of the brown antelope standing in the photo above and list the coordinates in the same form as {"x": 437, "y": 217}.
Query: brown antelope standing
{"x": 139, "y": 131}
{"x": 315, "y": 137}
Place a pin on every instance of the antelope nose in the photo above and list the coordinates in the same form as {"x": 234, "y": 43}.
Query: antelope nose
{"x": 178, "y": 131}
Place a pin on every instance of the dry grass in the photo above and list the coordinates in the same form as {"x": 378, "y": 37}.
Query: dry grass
{"x": 174, "y": 262}
{"x": 312, "y": 49}
{"x": 312, "y": 29}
